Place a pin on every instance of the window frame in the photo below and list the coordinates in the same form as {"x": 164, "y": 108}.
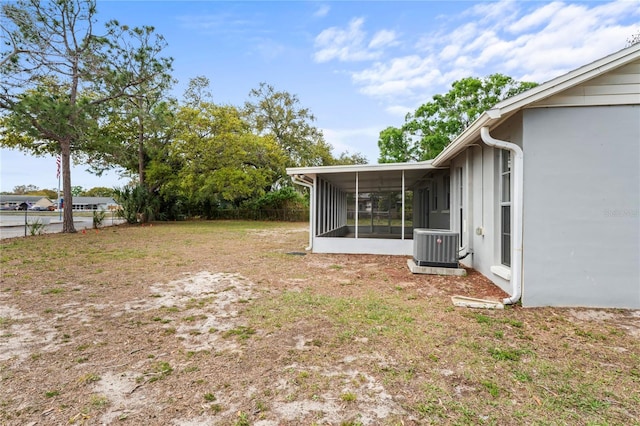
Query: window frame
{"x": 505, "y": 188}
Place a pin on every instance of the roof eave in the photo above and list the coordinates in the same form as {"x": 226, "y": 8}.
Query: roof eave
{"x": 469, "y": 135}
{"x": 358, "y": 168}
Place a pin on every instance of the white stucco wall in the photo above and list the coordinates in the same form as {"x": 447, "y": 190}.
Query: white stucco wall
{"x": 582, "y": 207}
{"x": 482, "y": 215}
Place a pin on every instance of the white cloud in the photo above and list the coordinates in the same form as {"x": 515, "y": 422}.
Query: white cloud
{"x": 527, "y": 40}
{"x": 493, "y": 13}
{"x": 535, "y": 19}
{"x": 359, "y": 140}
{"x": 350, "y": 44}
{"x": 322, "y": 11}
{"x": 383, "y": 38}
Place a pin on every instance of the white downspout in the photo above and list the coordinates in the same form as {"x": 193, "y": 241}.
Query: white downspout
{"x": 518, "y": 186}
{"x": 312, "y": 211}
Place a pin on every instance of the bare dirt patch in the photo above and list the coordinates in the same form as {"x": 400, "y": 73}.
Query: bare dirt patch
{"x": 226, "y": 323}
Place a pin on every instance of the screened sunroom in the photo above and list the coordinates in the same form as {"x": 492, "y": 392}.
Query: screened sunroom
{"x": 373, "y": 209}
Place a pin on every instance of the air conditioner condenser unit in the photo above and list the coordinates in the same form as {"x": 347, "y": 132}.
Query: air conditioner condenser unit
{"x": 435, "y": 247}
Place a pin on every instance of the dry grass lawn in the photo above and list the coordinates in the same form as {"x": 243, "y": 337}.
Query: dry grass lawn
{"x": 224, "y": 323}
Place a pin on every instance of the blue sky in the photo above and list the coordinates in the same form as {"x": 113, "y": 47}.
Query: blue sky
{"x": 358, "y": 66}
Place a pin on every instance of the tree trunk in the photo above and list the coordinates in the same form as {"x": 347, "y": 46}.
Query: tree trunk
{"x": 67, "y": 215}
{"x": 141, "y": 165}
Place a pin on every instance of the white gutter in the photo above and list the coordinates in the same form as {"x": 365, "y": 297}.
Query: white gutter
{"x": 300, "y": 180}
{"x": 518, "y": 201}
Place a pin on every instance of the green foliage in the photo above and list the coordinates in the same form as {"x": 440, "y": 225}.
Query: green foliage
{"x": 99, "y": 191}
{"x": 348, "y": 397}
{"x": 491, "y": 387}
{"x": 221, "y": 162}
{"x": 77, "y": 191}
{"x": 60, "y": 81}
{"x": 279, "y": 115}
{"x": 24, "y": 189}
{"x": 346, "y": 158}
{"x": 283, "y": 198}
{"x": 395, "y": 146}
{"x": 243, "y": 419}
{"x": 160, "y": 369}
{"x": 506, "y": 354}
{"x": 436, "y": 123}
{"x": 242, "y": 332}
{"x": 137, "y": 204}
{"x": 98, "y": 218}
{"x": 47, "y": 193}
{"x": 36, "y": 227}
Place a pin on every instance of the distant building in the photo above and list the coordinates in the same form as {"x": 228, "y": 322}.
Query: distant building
{"x": 10, "y": 201}
{"x": 94, "y": 204}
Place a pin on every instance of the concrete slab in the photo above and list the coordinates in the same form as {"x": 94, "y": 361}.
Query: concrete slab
{"x": 433, "y": 270}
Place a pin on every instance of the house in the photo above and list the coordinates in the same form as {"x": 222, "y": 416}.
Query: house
{"x": 10, "y": 201}
{"x": 94, "y": 203}
{"x": 543, "y": 191}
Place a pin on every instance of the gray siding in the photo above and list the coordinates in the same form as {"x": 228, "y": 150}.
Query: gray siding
{"x": 481, "y": 213}
{"x": 617, "y": 87}
{"x": 582, "y": 207}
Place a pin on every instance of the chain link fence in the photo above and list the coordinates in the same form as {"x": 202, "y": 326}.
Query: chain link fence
{"x": 282, "y": 215}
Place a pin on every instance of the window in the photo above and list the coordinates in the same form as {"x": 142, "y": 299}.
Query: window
{"x": 505, "y": 207}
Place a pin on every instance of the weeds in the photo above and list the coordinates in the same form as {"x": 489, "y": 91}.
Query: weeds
{"x": 53, "y": 290}
{"x": 243, "y": 419}
{"x": 160, "y": 370}
{"x": 99, "y": 401}
{"x": 506, "y": 354}
{"x": 98, "y": 218}
{"x": 348, "y": 397}
{"x": 36, "y": 227}
{"x": 491, "y": 387}
{"x": 242, "y": 332}
{"x": 453, "y": 366}
{"x": 89, "y": 378}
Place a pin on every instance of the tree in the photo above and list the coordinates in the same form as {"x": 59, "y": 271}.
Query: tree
{"x": 634, "y": 39}
{"x": 49, "y": 193}
{"x": 135, "y": 121}
{"x": 99, "y": 191}
{"x": 57, "y": 75}
{"x": 198, "y": 92}
{"x": 436, "y": 123}
{"x": 395, "y": 146}
{"x": 24, "y": 189}
{"x": 77, "y": 190}
{"x": 346, "y": 158}
{"x": 56, "y": 55}
{"x": 222, "y": 162}
{"x": 279, "y": 115}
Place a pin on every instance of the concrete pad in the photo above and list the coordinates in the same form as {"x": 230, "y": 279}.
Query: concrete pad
{"x": 470, "y": 302}
{"x": 434, "y": 270}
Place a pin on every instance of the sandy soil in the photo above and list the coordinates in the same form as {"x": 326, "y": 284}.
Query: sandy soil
{"x": 173, "y": 342}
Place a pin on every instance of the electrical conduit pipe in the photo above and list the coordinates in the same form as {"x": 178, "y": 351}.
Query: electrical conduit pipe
{"x": 518, "y": 201}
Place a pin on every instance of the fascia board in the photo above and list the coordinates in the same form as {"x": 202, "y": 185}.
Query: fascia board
{"x": 359, "y": 168}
